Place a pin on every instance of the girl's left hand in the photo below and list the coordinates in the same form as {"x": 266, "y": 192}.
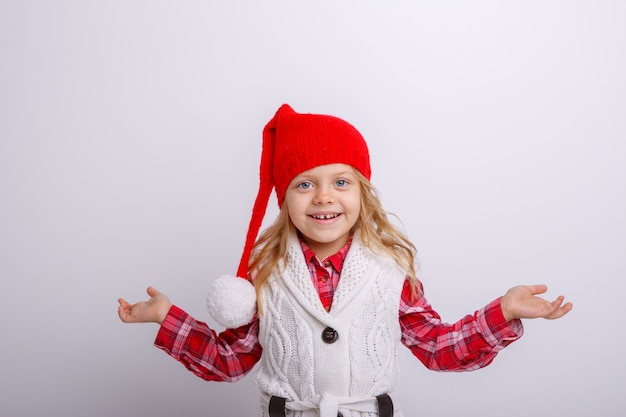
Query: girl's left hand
{"x": 522, "y": 302}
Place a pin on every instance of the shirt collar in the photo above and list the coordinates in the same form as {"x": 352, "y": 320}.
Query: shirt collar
{"x": 336, "y": 260}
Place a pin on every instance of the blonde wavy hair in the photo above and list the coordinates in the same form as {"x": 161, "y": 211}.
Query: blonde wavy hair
{"x": 377, "y": 233}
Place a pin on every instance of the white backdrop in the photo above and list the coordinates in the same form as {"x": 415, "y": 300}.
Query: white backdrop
{"x": 130, "y": 134}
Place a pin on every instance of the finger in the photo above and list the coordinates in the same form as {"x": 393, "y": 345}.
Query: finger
{"x": 560, "y": 311}
{"x": 552, "y": 309}
{"x": 152, "y": 291}
{"x": 556, "y": 314}
{"x": 124, "y": 312}
{"x": 567, "y": 307}
{"x": 559, "y": 300}
{"x": 538, "y": 289}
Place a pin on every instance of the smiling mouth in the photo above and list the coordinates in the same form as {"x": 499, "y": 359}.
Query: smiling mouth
{"x": 325, "y": 216}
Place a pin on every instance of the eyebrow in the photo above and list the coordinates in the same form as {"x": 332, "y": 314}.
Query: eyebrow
{"x": 335, "y": 174}
{"x": 343, "y": 174}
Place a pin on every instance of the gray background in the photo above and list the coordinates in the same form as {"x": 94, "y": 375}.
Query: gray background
{"x": 130, "y": 135}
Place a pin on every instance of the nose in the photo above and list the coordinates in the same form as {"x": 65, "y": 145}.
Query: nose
{"x": 323, "y": 195}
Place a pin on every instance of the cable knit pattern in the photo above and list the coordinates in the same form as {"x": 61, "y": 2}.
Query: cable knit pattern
{"x": 360, "y": 364}
{"x": 377, "y": 344}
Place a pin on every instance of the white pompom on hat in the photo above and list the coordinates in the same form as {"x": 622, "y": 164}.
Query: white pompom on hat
{"x": 231, "y": 301}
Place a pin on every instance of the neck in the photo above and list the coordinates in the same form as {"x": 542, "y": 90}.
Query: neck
{"x": 324, "y": 250}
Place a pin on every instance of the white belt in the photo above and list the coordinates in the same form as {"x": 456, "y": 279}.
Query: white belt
{"x": 329, "y": 405}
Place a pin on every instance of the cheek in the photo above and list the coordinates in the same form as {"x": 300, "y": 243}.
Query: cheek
{"x": 294, "y": 206}
{"x": 292, "y": 215}
{"x": 355, "y": 203}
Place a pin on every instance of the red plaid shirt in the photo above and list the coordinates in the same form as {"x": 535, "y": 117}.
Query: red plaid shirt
{"x": 468, "y": 344}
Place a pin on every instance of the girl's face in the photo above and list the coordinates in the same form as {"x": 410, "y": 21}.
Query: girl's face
{"x": 324, "y": 205}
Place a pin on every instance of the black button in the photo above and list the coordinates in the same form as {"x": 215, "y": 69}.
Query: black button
{"x": 330, "y": 335}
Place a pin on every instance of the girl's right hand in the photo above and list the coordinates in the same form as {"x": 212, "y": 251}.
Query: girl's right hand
{"x": 152, "y": 311}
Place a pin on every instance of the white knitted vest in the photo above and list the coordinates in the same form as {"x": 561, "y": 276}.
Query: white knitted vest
{"x": 363, "y": 361}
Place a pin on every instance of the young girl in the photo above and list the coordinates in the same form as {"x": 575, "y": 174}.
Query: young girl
{"x": 335, "y": 290}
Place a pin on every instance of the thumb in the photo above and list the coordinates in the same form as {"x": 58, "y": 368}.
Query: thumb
{"x": 538, "y": 289}
{"x": 152, "y": 292}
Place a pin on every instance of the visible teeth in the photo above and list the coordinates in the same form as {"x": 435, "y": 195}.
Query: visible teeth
{"x": 325, "y": 216}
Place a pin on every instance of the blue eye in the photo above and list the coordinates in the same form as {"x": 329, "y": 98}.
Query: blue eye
{"x": 341, "y": 183}
{"x": 305, "y": 185}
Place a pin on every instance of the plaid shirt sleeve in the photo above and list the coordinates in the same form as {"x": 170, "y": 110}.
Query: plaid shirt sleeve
{"x": 470, "y": 343}
{"x": 227, "y": 356}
